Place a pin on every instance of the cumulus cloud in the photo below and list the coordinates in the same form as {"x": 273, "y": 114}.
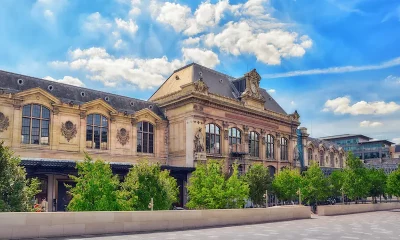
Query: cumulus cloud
{"x": 191, "y": 41}
{"x": 271, "y": 91}
{"x": 342, "y": 105}
{"x": 128, "y": 26}
{"x": 92, "y": 52}
{"x": 392, "y": 80}
{"x": 67, "y": 80}
{"x": 203, "y": 57}
{"x": 96, "y": 23}
{"x": 370, "y": 124}
{"x": 49, "y": 9}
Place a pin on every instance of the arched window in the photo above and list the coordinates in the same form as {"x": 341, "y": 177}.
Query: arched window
{"x": 284, "y": 149}
{"x": 321, "y": 158}
{"x": 331, "y": 155}
{"x": 326, "y": 160}
{"x": 96, "y": 131}
{"x": 235, "y": 140}
{"x": 270, "y": 147}
{"x": 145, "y": 137}
{"x": 309, "y": 154}
{"x": 341, "y": 160}
{"x": 35, "y": 124}
{"x": 254, "y": 144}
{"x": 213, "y": 139}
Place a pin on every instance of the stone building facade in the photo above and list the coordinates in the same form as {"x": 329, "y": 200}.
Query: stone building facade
{"x": 197, "y": 114}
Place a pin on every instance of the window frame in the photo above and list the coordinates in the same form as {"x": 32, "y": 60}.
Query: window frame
{"x": 270, "y": 146}
{"x": 237, "y": 137}
{"x": 101, "y": 127}
{"x": 140, "y": 133}
{"x": 213, "y": 136}
{"x": 254, "y": 139}
{"x": 41, "y": 119}
{"x": 310, "y": 153}
{"x": 284, "y": 149}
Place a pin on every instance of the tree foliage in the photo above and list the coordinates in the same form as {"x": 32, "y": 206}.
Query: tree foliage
{"x": 259, "y": 181}
{"x": 393, "y": 183}
{"x": 355, "y": 184}
{"x": 314, "y": 185}
{"x": 96, "y": 188}
{"x": 336, "y": 181}
{"x": 209, "y": 189}
{"x": 377, "y": 182}
{"x": 16, "y": 192}
{"x": 286, "y": 184}
{"x": 145, "y": 181}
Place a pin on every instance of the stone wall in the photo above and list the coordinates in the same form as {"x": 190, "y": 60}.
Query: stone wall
{"x": 55, "y": 224}
{"x": 331, "y": 210}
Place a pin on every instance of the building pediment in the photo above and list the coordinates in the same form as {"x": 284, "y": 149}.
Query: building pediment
{"x": 147, "y": 114}
{"x": 98, "y": 103}
{"x": 37, "y": 93}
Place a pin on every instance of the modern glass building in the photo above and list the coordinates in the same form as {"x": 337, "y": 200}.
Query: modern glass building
{"x": 362, "y": 146}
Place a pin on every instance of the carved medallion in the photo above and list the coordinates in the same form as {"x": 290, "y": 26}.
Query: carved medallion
{"x": 4, "y": 122}
{"x": 123, "y": 136}
{"x": 200, "y": 86}
{"x": 68, "y": 130}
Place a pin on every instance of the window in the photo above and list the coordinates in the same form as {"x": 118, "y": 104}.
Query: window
{"x": 284, "y": 149}
{"x": 309, "y": 154}
{"x": 321, "y": 158}
{"x": 213, "y": 139}
{"x": 35, "y": 124}
{"x": 235, "y": 139}
{"x": 145, "y": 137}
{"x": 270, "y": 147}
{"x": 96, "y": 131}
{"x": 331, "y": 155}
{"x": 254, "y": 144}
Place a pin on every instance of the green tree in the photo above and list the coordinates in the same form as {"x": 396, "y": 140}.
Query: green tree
{"x": 210, "y": 189}
{"x": 16, "y": 191}
{"x": 355, "y": 182}
{"x": 393, "y": 183}
{"x": 96, "y": 188}
{"x": 286, "y": 184}
{"x": 377, "y": 182}
{"x": 336, "y": 181}
{"x": 236, "y": 189}
{"x": 259, "y": 181}
{"x": 314, "y": 185}
{"x": 145, "y": 181}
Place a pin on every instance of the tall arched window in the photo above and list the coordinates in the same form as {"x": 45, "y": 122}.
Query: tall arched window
{"x": 270, "y": 147}
{"x": 35, "y": 124}
{"x": 96, "y": 131}
{"x": 321, "y": 158}
{"x": 213, "y": 139}
{"x": 235, "y": 139}
{"x": 341, "y": 160}
{"x": 284, "y": 149}
{"x": 254, "y": 144}
{"x": 145, "y": 137}
{"x": 310, "y": 154}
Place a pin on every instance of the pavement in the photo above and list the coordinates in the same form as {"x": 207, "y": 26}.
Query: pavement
{"x": 373, "y": 225}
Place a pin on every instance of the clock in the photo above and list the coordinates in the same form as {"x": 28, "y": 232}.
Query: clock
{"x": 253, "y": 88}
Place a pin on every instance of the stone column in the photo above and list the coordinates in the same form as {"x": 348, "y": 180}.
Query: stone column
{"x": 50, "y": 192}
{"x": 82, "y": 134}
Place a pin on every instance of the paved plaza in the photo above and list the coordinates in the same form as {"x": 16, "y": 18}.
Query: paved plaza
{"x": 374, "y": 225}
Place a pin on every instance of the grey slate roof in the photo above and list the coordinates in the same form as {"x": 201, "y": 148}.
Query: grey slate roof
{"x": 346, "y": 136}
{"x": 225, "y": 87}
{"x": 67, "y": 93}
{"x": 326, "y": 144}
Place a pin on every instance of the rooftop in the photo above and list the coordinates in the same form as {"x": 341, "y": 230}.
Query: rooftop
{"x": 345, "y": 136}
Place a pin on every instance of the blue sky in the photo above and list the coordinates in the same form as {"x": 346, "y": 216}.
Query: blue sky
{"x": 336, "y": 61}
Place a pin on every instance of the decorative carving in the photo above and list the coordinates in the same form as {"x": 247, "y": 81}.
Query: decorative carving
{"x": 68, "y": 130}
{"x": 198, "y": 141}
{"x": 123, "y": 136}
{"x": 82, "y": 115}
{"x": 197, "y": 107}
{"x": 200, "y": 86}
{"x": 225, "y": 124}
{"x": 263, "y": 140}
{"x": 253, "y": 85}
{"x": 295, "y": 116}
{"x": 263, "y": 131}
{"x": 4, "y": 122}
{"x": 56, "y": 110}
{"x": 226, "y": 134}
{"x": 133, "y": 121}
{"x": 245, "y": 128}
{"x": 112, "y": 119}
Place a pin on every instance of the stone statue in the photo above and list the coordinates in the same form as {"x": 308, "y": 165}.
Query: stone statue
{"x": 198, "y": 141}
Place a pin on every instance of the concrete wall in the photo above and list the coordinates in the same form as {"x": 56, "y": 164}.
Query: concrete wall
{"x": 355, "y": 208}
{"x": 34, "y": 225}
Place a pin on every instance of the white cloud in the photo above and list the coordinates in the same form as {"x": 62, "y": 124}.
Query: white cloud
{"x": 332, "y": 70}
{"x": 118, "y": 44}
{"x": 370, "y": 124}
{"x": 96, "y": 23}
{"x": 341, "y": 105}
{"x": 271, "y": 91}
{"x": 88, "y": 53}
{"x": 191, "y": 41}
{"x": 59, "y": 64}
{"x": 67, "y": 80}
{"x": 203, "y": 57}
{"x": 392, "y": 80}
{"x": 49, "y": 9}
{"x": 269, "y": 47}
{"x": 128, "y": 26}
{"x": 292, "y": 103}
{"x": 396, "y": 140}
{"x": 174, "y": 14}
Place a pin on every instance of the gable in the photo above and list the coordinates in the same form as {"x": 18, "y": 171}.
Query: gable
{"x": 36, "y": 94}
